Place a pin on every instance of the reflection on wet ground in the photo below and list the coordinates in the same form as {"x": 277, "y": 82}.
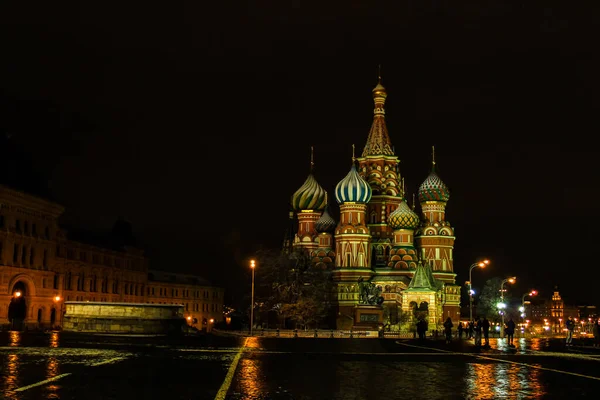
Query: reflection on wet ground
{"x": 51, "y": 366}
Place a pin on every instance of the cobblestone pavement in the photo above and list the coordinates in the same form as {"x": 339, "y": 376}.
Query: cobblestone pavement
{"x": 51, "y": 366}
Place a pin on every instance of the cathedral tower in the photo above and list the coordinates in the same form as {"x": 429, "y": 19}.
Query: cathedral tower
{"x": 308, "y": 202}
{"x": 435, "y": 237}
{"x": 379, "y": 166}
{"x": 324, "y": 255}
{"x": 352, "y": 243}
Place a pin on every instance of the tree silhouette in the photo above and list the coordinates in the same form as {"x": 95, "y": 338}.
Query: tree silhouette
{"x": 293, "y": 286}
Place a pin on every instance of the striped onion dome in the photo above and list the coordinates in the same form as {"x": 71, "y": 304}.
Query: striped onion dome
{"x": 353, "y": 188}
{"x": 403, "y": 217}
{"x": 325, "y": 223}
{"x": 433, "y": 189}
{"x": 310, "y": 196}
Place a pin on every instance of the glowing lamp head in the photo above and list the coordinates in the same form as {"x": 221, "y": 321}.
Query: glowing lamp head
{"x": 189, "y": 318}
{"x": 57, "y": 298}
{"x": 533, "y": 293}
{"x": 18, "y": 294}
{"x": 512, "y": 280}
{"x": 211, "y": 320}
{"x": 252, "y": 264}
{"x": 501, "y": 305}
{"x": 522, "y": 309}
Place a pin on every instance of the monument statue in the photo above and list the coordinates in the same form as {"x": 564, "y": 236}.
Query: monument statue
{"x": 369, "y": 293}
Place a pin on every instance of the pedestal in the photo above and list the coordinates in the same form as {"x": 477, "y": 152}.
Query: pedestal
{"x": 367, "y": 317}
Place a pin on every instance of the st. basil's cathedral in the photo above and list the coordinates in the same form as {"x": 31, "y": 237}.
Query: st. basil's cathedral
{"x": 381, "y": 240}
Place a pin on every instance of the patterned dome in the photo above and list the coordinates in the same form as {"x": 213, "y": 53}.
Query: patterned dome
{"x": 325, "y": 223}
{"x": 353, "y": 188}
{"x": 310, "y": 196}
{"x": 433, "y": 189}
{"x": 403, "y": 217}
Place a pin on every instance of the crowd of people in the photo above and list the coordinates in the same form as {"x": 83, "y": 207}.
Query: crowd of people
{"x": 479, "y": 331}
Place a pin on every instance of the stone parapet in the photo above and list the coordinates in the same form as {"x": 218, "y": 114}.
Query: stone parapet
{"x": 123, "y": 318}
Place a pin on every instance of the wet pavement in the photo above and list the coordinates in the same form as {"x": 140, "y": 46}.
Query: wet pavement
{"x": 62, "y": 366}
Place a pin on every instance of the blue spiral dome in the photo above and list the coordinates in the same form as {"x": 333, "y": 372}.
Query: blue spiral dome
{"x": 353, "y": 188}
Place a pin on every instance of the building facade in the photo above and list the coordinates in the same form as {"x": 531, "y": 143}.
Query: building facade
{"x": 41, "y": 268}
{"x": 380, "y": 239}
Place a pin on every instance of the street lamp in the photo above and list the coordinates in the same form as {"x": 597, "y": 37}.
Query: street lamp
{"x": 509, "y": 280}
{"x": 481, "y": 264}
{"x": 57, "y": 300}
{"x": 17, "y": 294}
{"x": 522, "y": 309}
{"x": 252, "y": 267}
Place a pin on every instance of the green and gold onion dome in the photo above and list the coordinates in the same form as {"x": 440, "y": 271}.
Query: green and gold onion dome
{"x": 353, "y": 189}
{"x": 403, "y": 217}
{"x": 325, "y": 223}
{"x": 310, "y": 196}
{"x": 433, "y": 189}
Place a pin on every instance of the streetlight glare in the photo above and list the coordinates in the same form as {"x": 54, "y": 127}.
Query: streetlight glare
{"x": 57, "y": 298}
{"x": 512, "y": 280}
{"x": 533, "y": 293}
{"x": 17, "y": 294}
{"x": 252, "y": 263}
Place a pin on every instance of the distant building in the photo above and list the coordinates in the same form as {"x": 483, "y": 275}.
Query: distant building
{"x": 203, "y": 303}
{"x": 551, "y": 312}
{"x": 43, "y": 265}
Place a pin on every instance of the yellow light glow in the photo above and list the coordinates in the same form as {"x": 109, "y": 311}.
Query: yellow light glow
{"x": 57, "y": 298}
{"x": 189, "y": 318}
{"x": 18, "y": 294}
{"x": 252, "y": 264}
{"x": 212, "y": 320}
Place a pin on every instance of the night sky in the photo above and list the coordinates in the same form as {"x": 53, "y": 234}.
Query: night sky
{"x": 194, "y": 121}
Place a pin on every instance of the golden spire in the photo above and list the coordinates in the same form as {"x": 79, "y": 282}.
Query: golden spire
{"x": 413, "y": 203}
{"x": 433, "y": 156}
{"x": 353, "y": 158}
{"x": 326, "y": 203}
{"x": 378, "y": 141}
{"x": 312, "y": 162}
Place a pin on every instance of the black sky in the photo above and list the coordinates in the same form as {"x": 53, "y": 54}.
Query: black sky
{"x": 194, "y": 121}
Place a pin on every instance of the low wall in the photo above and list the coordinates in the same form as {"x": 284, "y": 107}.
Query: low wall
{"x": 123, "y": 318}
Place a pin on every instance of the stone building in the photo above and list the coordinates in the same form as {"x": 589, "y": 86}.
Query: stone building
{"x": 380, "y": 239}
{"x": 43, "y": 265}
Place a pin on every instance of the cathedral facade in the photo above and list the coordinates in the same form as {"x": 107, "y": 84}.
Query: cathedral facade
{"x": 380, "y": 239}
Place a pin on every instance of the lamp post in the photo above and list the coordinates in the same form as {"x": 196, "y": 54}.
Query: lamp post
{"x": 522, "y": 309}
{"x": 252, "y": 267}
{"x": 481, "y": 264}
{"x": 509, "y": 280}
{"x": 57, "y": 300}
